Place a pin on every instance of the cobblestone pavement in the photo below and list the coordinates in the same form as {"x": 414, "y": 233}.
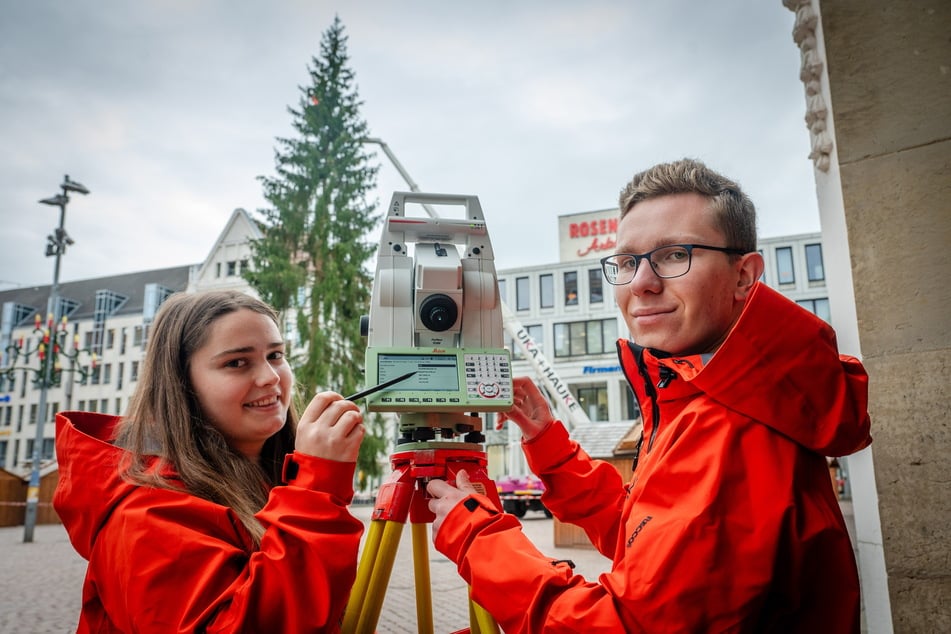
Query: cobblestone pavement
{"x": 40, "y": 582}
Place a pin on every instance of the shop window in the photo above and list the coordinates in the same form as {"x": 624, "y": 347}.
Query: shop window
{"x": 594, "y": 401}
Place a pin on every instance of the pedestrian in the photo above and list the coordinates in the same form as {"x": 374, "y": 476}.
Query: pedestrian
{"x": 728, "y": 521}
{"x": 209, "y": 507}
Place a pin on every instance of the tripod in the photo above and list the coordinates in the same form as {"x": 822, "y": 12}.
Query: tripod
{"x": 403, "y": 495}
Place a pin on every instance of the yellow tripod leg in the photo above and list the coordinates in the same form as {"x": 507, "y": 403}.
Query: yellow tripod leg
{"x": 481, "y": 622}
{"x": 371, "y": 549}
{"x": 424, "y": 596}
{"x": 380, "y": 576}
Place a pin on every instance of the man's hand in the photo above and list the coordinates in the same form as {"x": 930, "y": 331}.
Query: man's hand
{"x": 445, "y": 497}
{"x": 530, "y": 410}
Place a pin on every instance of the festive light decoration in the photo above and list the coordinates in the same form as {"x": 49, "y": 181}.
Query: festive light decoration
{"x": 51, "y": 348}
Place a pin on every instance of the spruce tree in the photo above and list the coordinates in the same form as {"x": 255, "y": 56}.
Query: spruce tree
{"x": 312, "y": 261}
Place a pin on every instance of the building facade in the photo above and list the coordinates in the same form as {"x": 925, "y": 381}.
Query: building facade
{"x": 108, "y": 321}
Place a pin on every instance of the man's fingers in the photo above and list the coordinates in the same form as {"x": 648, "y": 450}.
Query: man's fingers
{"x": 463, "y": 483}
{"x": 439, "y": 488}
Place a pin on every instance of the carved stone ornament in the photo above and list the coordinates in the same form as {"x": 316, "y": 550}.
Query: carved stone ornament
{"x": 804, "y": 34}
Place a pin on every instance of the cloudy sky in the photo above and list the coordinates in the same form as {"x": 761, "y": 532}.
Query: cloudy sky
{"x": 168, "y": 110}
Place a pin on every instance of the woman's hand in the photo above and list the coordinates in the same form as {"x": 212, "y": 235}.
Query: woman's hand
{"x": 331, "y": 427}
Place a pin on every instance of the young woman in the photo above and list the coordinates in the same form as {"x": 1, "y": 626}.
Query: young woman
{"x": 209, "y": 507}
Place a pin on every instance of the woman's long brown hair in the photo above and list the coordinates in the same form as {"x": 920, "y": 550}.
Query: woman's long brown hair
{"x": 165, "y": 421}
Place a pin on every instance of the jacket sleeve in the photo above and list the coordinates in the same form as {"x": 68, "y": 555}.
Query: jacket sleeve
{"x": 700, "y": 554}
{"x": 524, "y": 590}
{"x": 169, "y": 562}
{"x": 578, "y": 490}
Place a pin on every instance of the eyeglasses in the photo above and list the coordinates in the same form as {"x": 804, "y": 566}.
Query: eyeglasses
{"x": 668, "y": 261}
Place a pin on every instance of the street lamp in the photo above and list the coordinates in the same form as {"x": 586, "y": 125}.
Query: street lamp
{"x": 56, "y": 244}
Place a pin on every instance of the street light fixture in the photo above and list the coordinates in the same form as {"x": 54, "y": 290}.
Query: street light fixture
{"x": 56, "y": 244}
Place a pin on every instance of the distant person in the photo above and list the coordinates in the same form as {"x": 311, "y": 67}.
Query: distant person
{"x": 180, "y": 508}
{"x": 729, "y": 521}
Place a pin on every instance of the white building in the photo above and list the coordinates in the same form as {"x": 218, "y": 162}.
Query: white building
{"x": 108, "y": 316}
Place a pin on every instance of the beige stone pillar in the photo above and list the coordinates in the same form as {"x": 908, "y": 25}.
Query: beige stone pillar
{"x": 883, "y": 141}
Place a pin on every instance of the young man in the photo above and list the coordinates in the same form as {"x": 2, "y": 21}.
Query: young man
{"x": 729, "y": 521}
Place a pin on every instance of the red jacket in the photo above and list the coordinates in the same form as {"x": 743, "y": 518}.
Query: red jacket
{"x": 166, "y": 561}
{"x": 729, "y": 523}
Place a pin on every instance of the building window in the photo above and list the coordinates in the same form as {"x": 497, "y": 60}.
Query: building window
{"x": 546, "y": 290}
{"x": 819, "y": 307}
{"x": 137, "y": 336}
{"x": 762, "y": 277}
{"x": 244, "y": 265}
{"x": 122, "y": 338}
{"x": 134, "y": 371}
{"x": 522, "y": 299}
{"x": 594, "y": 401}
{"x": 232, "y": 268}
{"x": 503, "y": 292}
{"x": 110, "y": 338}
{"x": 118, "y": 406}
{"x": 815, "y": 272}
{"x": 217, "y": 269}
{"x": 784, "y": 265}
{"x": 107, "y": 374}
{"x": 595, "y": 286}
{"x": 119, "y": 374}
{"x": 34, "y": 408}
{"x": 571, "y": 288}
{"x": 49, "y": 448}
{"x": 578, "y": 338}
{"x": 95, "y": 375}
{"x": 537, "y": 333}
{"x": 81, "y": 406}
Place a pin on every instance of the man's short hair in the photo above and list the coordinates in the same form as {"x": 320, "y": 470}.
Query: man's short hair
{"x": 735, "y": 213}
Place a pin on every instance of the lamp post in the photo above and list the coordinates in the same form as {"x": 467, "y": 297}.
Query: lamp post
{"x": 56, "y": 244}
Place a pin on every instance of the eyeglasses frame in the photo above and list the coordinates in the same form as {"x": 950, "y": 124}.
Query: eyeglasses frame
{"x": 647, "y": 256}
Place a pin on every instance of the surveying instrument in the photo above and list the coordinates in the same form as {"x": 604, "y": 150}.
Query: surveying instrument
{"x": 436, "y": 321}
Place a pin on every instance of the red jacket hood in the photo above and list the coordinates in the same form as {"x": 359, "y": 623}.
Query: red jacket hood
{"x": 89, "y": 484}
{"x": 779, "y": 365}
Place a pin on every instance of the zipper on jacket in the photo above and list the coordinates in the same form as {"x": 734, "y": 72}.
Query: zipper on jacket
{"x": 652, "y": 394}
{"x": 666, "y": 376}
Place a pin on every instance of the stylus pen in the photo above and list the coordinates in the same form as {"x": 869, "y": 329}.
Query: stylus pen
{"x": 381, "y": 386}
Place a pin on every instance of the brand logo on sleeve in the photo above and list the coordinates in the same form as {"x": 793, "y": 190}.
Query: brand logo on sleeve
{"x": 637, "y": 531}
